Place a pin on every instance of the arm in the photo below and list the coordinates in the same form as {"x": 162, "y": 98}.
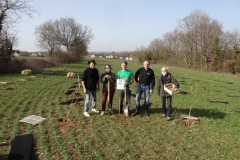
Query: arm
{"x": 175, "y": 82}
{"x": 159, "y": 86}
{"x": 83, "y": 81}
{"x": 152, "y": 85}
{"x": 137, "y": 75}
{"x": 98, "y": 85}
{"x": 103, "y": 78}
{"x": 84, "y": 87}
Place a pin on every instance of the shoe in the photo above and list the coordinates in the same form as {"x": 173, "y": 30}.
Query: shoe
{"x": 94, "y": 110}
{"x": 136, "y": 112}
{"x": 163, "y": 115}
{"x": 102, "y": 113}
{"x": 86, "y": 114}
{"x": 146, "y": 112}
{"x": 168, "y": 118}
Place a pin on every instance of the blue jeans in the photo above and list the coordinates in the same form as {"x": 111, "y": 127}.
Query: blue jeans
{"x": 167, "y": 111}
{"x": 140, "y": 90}
{"x": 94, "y": 97}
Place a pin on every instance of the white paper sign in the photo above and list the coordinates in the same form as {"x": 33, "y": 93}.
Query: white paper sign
{"x": 120, "y": 84}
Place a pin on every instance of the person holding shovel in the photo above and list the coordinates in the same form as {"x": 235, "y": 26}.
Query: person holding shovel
{"x": 109, "y": 80}
{"x": 128, "y": 77}
{"x": 90, "y": 83}
{"x": 145, "y": 80}
{"x": 166, "y": 78}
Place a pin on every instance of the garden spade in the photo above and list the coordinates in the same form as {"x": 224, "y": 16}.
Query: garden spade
{"x": 125, "y": 106}
{"x": 108, "y": 98}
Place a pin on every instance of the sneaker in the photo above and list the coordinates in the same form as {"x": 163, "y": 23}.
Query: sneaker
{"x": 86, "y": 114}
{"x": 94, "y": 110}
{"x": 102, "y": 113}
{"x": 163, "y": 115}
{"x": 168, "y": 118}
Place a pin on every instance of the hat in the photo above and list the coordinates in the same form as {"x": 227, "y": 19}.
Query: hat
{"x": 92, "y": 61}
{"x": 125, "y": 62}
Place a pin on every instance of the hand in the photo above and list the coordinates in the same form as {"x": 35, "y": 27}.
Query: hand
{"x": 151, "y": 91}
{"x": 84, "y": 91}
{"x": 138, "y": 83}
{"x": 107, "y": 76}
{"x": 176, "y": 89}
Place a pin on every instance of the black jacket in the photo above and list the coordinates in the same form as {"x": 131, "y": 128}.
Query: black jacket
{"x": 105, "y": 81}
{"x": 146, "y": 77}
{"x": 90, "y": 77}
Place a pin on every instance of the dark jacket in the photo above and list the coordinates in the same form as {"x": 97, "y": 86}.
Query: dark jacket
{"x": 105, "y": 81}
{"x": 146, "y": 77}
{"x": 169, "y": 79}
{"x": 90, "y": 77}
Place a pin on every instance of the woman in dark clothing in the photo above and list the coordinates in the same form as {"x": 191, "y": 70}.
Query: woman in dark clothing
{"x": 105, "y": 77}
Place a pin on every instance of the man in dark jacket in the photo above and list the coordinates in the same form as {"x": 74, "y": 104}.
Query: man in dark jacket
{"x": 145, "y": 80}
{"x": 90, "y": 83}
{"x": 166, "y": 78}
{"x": 105, "y": 77}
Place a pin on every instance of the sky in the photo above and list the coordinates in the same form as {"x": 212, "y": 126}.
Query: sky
{"x": 124, "y": 25}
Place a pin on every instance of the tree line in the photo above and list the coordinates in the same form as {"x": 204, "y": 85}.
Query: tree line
{"x": 198, "y": 42}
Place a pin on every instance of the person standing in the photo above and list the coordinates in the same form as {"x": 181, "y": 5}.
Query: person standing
{"x": 145, "y": 80}
{"x": 128, "y": 76}
{"x": 90, "y": 83}
{"x": 166, "y": 78}
{"x": 105, "y": 77}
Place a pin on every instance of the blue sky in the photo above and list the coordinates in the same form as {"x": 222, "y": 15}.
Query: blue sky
{"x": 124, "y": 25}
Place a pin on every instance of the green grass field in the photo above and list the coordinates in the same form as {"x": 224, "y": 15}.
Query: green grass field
{"x": 216, "y": 136}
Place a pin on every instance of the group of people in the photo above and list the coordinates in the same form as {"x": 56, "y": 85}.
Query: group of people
{"x": 144, "y": 78}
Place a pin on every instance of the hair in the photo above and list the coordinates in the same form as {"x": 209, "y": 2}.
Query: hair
{"x": 165, "y": 68}
{"x": 124, "y": 62}
{"x": 108, "y": 66}
{"x": 146, "y": 61}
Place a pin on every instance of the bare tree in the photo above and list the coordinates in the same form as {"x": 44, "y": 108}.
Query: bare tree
{"x": 201, "y": 30}
{"x": 63, "y": 32}
{"x": 11, "y": 11}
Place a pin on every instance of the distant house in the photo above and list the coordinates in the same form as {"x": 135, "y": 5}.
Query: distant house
{"x": 34, "y": 54}
{"x": 128, "y": 58}
{"x": 40, "y": 54}
{"x": 109, "y": 56}
{"x": 92, "y": 56}
{"x": 16, "y": 54}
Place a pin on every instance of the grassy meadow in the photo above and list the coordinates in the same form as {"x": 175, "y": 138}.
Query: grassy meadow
{"x": 67, "y": 134}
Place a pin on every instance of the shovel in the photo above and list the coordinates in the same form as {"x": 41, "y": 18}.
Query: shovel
{"x": 125, "y": 106}
{"x": 108, "y": 98}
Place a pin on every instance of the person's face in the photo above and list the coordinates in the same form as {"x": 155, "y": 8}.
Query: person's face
{"x": 146, "y": 65}
{"x": 164, "y": 71}
{"x": 92, "y": 65}
{"x": 124, "y": 66}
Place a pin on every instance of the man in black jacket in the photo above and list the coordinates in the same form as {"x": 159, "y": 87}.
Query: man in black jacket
{"x": 90, "y": 83}
{"x": 166, "y": 78}
{"x": 145, "y": 80}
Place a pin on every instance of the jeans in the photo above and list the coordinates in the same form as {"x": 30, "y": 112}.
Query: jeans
{"x": 167, "y": 111}
{"x": 140, "y": 90}
{"x": 88, "y": 95}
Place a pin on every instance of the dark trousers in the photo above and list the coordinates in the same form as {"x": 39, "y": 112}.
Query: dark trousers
{"x": 121, "y": 98}
{"x": 167, "y": 111}
{"x": 104, "y": 99}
